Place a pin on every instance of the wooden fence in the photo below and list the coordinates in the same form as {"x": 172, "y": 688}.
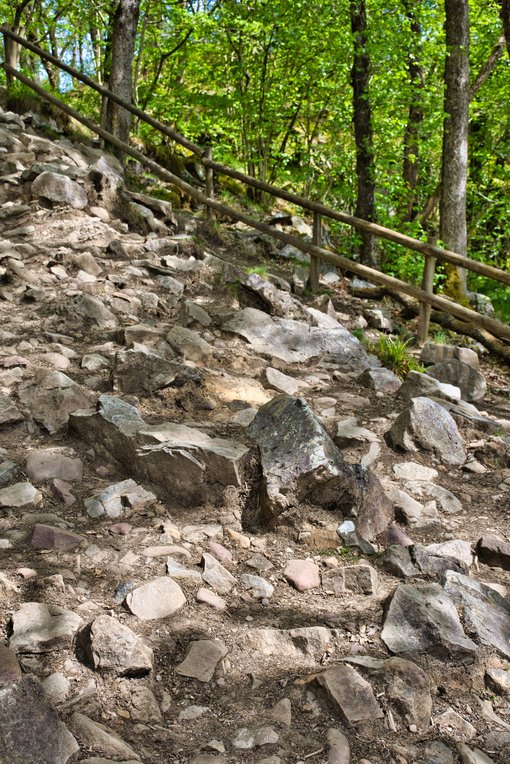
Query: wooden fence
{"x": 317, "y": 253}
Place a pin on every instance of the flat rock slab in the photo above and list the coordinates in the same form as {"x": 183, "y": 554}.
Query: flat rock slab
{"x": 20, "y": 496}
{"x": 350, "y": 695}
{"x": 51, "y": 397}
{"x": 486, "y": 613}
{"x": 297, "y": 341}
{"x": 112, "y": 646}
{"x": 428, "y": 425}
{"x": 51, "y": 537}
{"x": 50, "y": 463}
{"x": 303, "y": 645}
{"x": 119, "y": 499}
{"x": 423, "y": 619}
{"x": 97, "y": 737}
{"x": 30, "y": 730}
{"x": 189, "y": 465}
{"x": 221, "y": 580}
{"x": 202, "y": 658}
{"x": 40, "y": 628}
{"x": 158, "y": 598}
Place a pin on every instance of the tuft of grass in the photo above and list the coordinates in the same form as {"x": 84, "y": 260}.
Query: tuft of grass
{"x": 441, "y": 338}
{"x": 393, "y": 353}
{"x": 260, "y": 270}
{"x": 359, "y": 333}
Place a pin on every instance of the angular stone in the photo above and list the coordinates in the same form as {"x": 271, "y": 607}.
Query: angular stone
{"x": 360, "y": 579}
{"x": 9, "y": 412}
{"x": 189, "y": 344}
{"x": 283, "y": 383}
{"x": 433, "y": 354}
{"x": 247, "y": 738}
{"x": 158, "y": 598}
{"x": 211, "y": 598}
{"x": 97, "y": 737}
{"x": 350, "y": 695}
{"x": 62, "y": 490}
{"x": 307, "y": 644}
{"x": 423, "y": 619}
{"x": 51, "y": 463}
{"x": 397, "y": 561}
{"x": 216, "y": 575}
{"x": 417, "y": 384}
{"x": 51, "y": 397}
{"x": 257, "y": 585}
{"x": 60, "y": 189}
{"x": 40, "y": 628}
{"x": 427, "y": 424}
{"x": 457, "y": 549}
{"x": 20, "y": 496}
{"x": 497, "y": 679}
{"x": 452, "y": 723}
{"x": 30, "y": 730}
{"x": 473, "y": 755}
{"x": 144, "y": 707}
{"x": 142, "y": 371}
{"x": 180, "y": 572}
{"x": 256, "y": 292}
{"x": 394, "y": 535}
{"x": 202, "y": 658}
{"x": 119, "y": 498}
{"x": 300, "y": 463}
{"x": 380, "y": 380}
{"x": 58, "y": 539}
{"x": 486, "y": 613}
{"x": 185, "y": 462}
{"x": 57, "y": 687}
{"x": 494, "y": 551}
{"x": 10, "y": 670}
{"x": 91, "y": 310}
{"x": 302, "y": 574}
{"x": 447, "y": 501}
{"x": 347, "y": 432}
{"x": 438, "y": 753}
{"x": 281, "y": 712}
{"x": 297, "y": 341}
{"x": 414, "y": 471}
{"x": 472, "y": 384}
{"x": 407, "y": 688}
{"x": 111, "y": 646}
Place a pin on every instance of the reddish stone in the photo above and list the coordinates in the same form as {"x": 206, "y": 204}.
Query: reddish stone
{"x": 394, "y": 534}
{"x": 121, "y": 529}
{"x": 10, "y": 670}
{"x": 58, "y": 539}
{"x": 63, "y": 491}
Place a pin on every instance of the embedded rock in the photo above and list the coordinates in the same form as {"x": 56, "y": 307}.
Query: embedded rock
{"x": 472, "y": 384}
{"x": 417, "y": 384}
{"x": 20, "y": 496}
{"x": 428, "y": 425}
{"x": 380, "y": 380}
{"x": 158, "y": 598}
{"x": 52, "y": 397}
{"x": 423, "y": 619}
{"x": 142, "y": 371}
{"x": 58, "y": 539}
{"x": 88, "y": 308}
{"x": 350, "y": 695}
{"x": 434, "y": 354}
{"x": 10, "y": 670}
{"x": 60, "y": 189}
{"x": 97, "y": 737}
{"x": 30, "y": 730}
{"x": 9, "y": 412}
{"x": 49, "y": 463}
{"x": 494, "y": 551}
{"x": 118, "y": 499}
{"x": 40, "y": 628}
{"x": 407, "y": 688}
{"x": 112, "y": 646}
{"x": 202, "y": 658}
{"x": 256, "y": 292}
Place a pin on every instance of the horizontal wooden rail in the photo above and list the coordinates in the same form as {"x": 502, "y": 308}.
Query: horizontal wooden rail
{"x": 424, "y": 248}
{"x": 496, "y": 328}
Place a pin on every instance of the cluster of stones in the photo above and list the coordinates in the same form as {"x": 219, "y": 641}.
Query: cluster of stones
{"x": 207, "y": 540}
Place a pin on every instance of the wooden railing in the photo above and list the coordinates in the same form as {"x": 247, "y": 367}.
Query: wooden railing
{"x": 425, "y": 296}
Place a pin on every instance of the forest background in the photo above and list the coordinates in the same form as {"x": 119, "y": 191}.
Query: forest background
{"x": 346, "y": 101}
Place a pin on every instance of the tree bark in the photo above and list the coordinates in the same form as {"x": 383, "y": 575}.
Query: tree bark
{"x": 411, "y": 164}
{"x": 120, "y": 80}
{"x": 453, "y": 224}
{"x": 363, "y": 131}
{"x": 505, "y": 20}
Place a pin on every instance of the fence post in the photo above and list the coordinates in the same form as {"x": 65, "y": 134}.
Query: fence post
{"x": 425, "y": 309}
{"x": 209, "y": 182}
{"x": 313, "y": 278}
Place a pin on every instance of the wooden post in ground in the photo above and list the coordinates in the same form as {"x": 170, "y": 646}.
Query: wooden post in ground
{"x": 209, "y": 183}
{"x": 313, "y": 278}
{"x": 427, "y": 285}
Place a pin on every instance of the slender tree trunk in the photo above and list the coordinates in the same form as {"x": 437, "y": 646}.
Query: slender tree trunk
{"x": 120, "y": 80}
{"x": 363, "y": 132}
{"x": 505, "y": 19}
{"x": 453, "y": 224}
{"x": 410, "y": 171}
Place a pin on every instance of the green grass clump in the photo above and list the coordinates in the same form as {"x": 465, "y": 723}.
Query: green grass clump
{"x": 393, "y": 353}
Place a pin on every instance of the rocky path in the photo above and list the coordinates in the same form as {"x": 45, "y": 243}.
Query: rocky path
{"x": 227, "y": 534}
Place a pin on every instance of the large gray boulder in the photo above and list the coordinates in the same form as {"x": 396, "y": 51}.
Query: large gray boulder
{"x": 428, "y": 425}
{"x": 297, "y": 341}
{"x": 417, "y": 384}
{"x": 301, "y": 463}
{"x": 60, "y": 189}
{"x": 423, "y": 619}
{"x": 188, "y": 464}
{"x": 472, "y": 384}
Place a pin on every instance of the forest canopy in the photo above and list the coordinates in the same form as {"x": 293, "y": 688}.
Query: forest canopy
{"x": 274, "y": 86}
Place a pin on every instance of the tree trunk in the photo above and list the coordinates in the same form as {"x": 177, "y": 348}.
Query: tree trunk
{"x": 505, "y": 19}
{"x": 363, "y": 132}
{"x": 411, "y": 165}
{"x": 125, "y": 21}
{"x": 453, "y": 225}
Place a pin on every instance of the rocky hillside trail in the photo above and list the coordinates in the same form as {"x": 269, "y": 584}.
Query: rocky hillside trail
{"x": 227, "y": 533}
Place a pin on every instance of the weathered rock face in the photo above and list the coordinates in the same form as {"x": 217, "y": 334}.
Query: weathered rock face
{"x": 30, "y": 729}
{"x": 427, "y": 424}
{"x": 472, "y": 384}
{"x": 381, "y": 380}
{"x": 494, "y": 551}
{"x": 256, "y": 292}
{"x": 111, "y": 646}
{"x": 423, "y": 619}
{"x": 52, "y": 397}
{"x": 185, "y": 462}
{"x": 417, "y": 384}
{"x": 59, "y": 188}
{"x": 142, "y": 371}
{"x": 350, "y": 695}
{"x": 296, "y": 341}
{"x": 39, "y": 628}
{"x": 432, "y": 354}
{"x": 300, "y": 463}
{"x": 86, "y": 307}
